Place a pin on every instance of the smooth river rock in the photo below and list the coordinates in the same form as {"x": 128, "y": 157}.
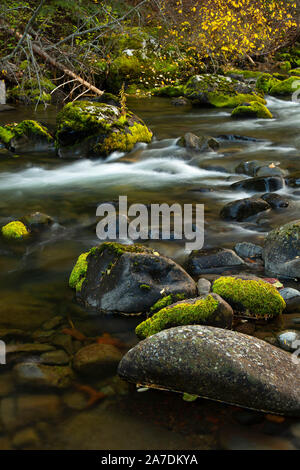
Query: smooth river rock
{"x": 217, "y": 364}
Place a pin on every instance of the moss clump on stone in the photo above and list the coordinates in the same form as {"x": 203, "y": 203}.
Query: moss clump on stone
{"x": 28, "y": 128}
{"x": 265, "y": 82}
{"x": 255, "y": 298}
{"x": 170, "y": 91}
{"x": 118, "y": 249}
{"x": 87, "y": 116}
{"x": 15, "y": 231}
{"x": 285, "y": 87}
{"x": 166, "y": 301}
{"x": 227, "y": 101}
{"x": 295, "y": 72}
{"x": 178, "y": 315}
{"x": 125, "y": 141}
{"x": 219, "y": 91}
{"x": 5, "y": 134}
{"x": 252, "y": 109}
{"x": 78, "y": 273}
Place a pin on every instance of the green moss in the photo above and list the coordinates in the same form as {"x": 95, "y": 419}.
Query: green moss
{"x": 245, "y": 73}
{"x": 265, "y": 82}
{"x": 166, "y": 301}
{"x": 255, "y": 298}
{"x": 78, "y": 273}
{"x": 285, "y": 87}
{"x": 5, "y": 134}
{"x": 125, "y": 141}
{"x": 285, "y": 66}
{"x": 180, "y": 314}
{"x": 32, "y": 91}
{"x": 295, "y": 72}
{"x": 118, "y": 249}
{"x": 227, "y": 101}
{"x": 169, "y": 91}
{"x": 28, "y": 127}
{"x": 15, "y": 230}
{"x": 218, "y": 91}
{"x": 253, "y": 109}
{"x": 87, "y": 117}
{"x": 145, "y": 287}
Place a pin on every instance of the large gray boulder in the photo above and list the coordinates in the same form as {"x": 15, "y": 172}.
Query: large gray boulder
{"x": 218, "y": 364}
{"x": 115, "y": 278}
{"x": 282, "y": 251}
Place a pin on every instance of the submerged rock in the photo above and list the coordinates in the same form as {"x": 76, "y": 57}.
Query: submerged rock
{"x": 253, "y": 109}
{"x": 215, "y": 260}
{"x": 253, "y": 297}
{"x": 97, "y": 359}
{"x": 243, "y": 208}
{"x": 291, "y": 298}
{"x": 218, "y": 364}
{"x": 209, "y": 310}
{"x": 91, "y": 129}
{"x": 248, "y": 250}
{"x": 201, "y": 144}
{"x": 116, "y": 278}
{"x": 40, "y": 376}
{"x": 281, "y": 251}
{"x": 289, "y": 340}
{"x": 260, "y": 184}
{"x": 218, "y": 91}
{"x": 276, "y": 201}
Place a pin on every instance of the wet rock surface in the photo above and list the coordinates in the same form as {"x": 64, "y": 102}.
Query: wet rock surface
{"x": 130, "y": 280}
{"x": 217, "y": 364}
{"x": 281, "y": 251}
{"x": 244, "y": 208}
{"x": 260, "y": 184}
{"x": 97, "y": 359}
{"x": 213, "y": 261}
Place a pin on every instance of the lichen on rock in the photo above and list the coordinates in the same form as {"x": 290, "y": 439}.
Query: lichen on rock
{"x": 255, "y": 298}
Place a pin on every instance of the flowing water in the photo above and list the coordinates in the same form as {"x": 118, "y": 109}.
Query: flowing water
{"x": 34, "y": 276}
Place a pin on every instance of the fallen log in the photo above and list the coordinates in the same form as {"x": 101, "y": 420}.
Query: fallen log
{"x": 54, "y": 63}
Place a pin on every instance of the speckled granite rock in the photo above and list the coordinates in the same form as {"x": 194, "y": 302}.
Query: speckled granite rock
{"x": 218, "y": 364}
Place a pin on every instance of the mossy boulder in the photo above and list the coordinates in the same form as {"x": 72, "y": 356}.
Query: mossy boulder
{"x": 15, "y": 231}
{"x": 295, "y": 72}
{"x": 211, "y": 310}
{"x": 265, "y": 82}
{"x": 115, "y": 278}
{"x": 31, "y": 92}
{"x": 257, "y": 299}
{"x": 281, "y": 251}
{"x": 219, "y": 91}
{"x": 254, "y": 109}
{"x": 285, "y": 87}
{"x": 91, "y": 129}
{"x": 27, "y": 136}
